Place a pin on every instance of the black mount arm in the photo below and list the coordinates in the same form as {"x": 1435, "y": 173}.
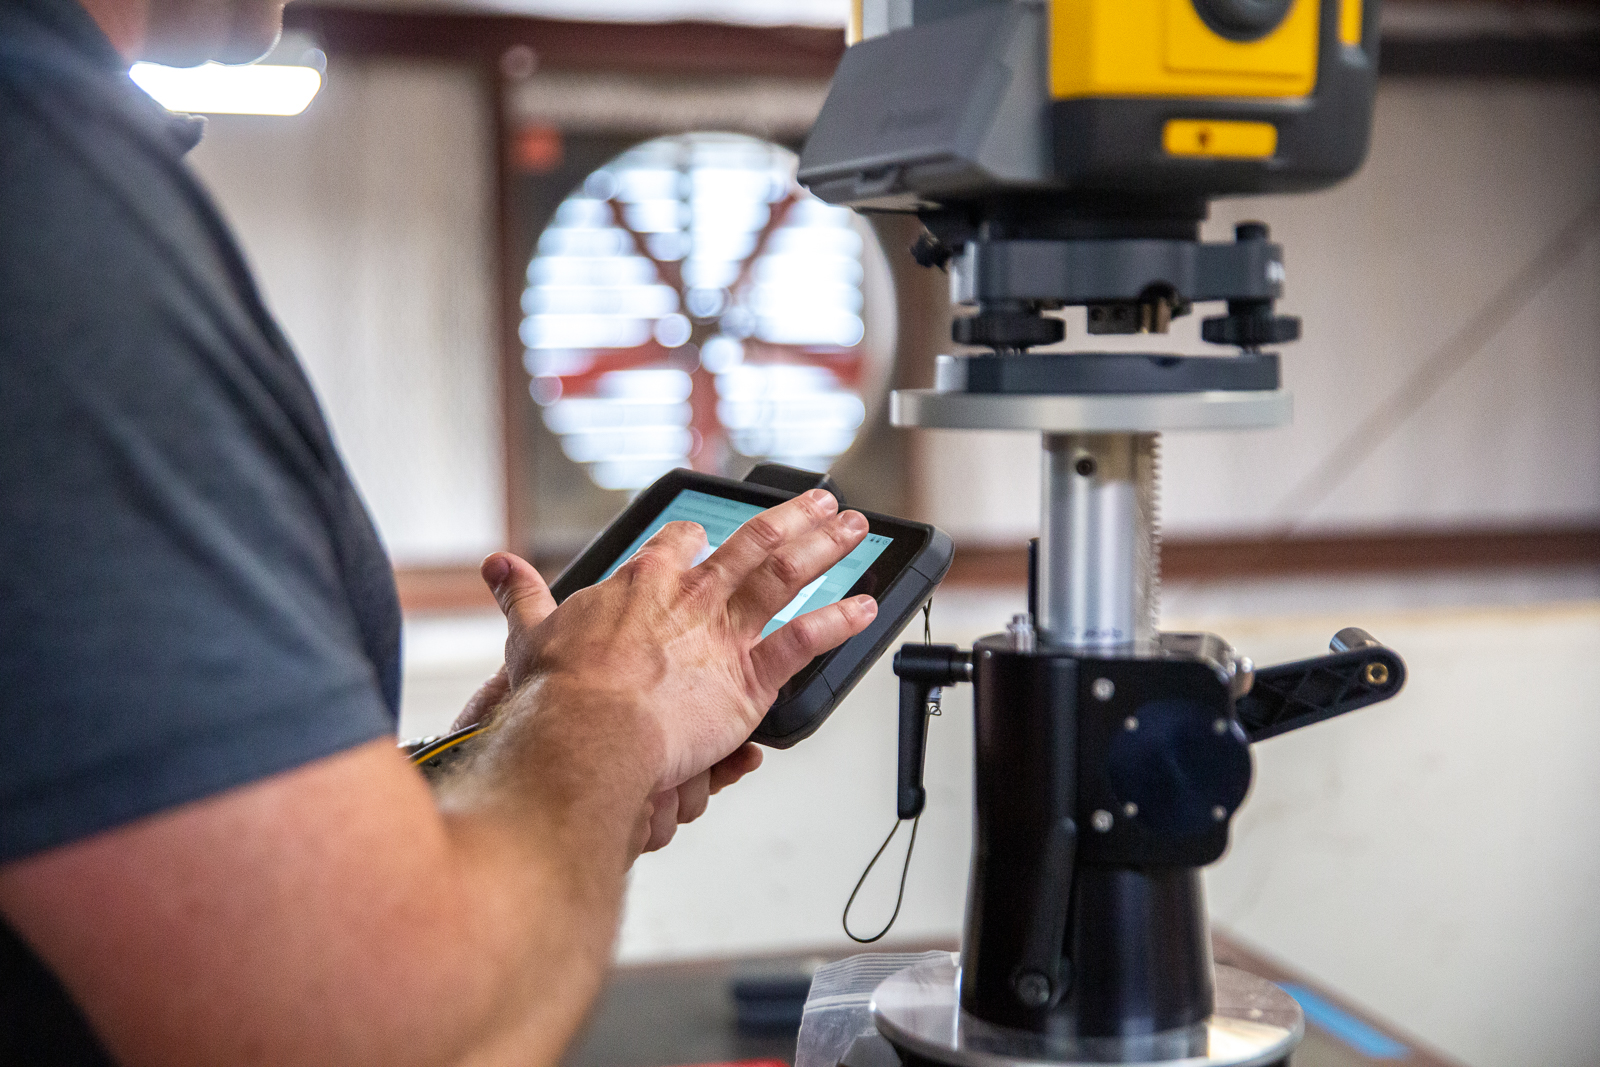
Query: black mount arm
{"x": 1358, "y": 672}
{"x": 922, "y": 669}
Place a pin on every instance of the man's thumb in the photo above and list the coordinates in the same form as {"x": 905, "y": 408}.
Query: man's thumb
{"x": 520, "y": 591}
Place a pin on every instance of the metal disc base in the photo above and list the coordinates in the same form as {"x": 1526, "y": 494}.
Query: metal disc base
{"x": 1091, "y": 412}
{"x": 919, "y": 1011}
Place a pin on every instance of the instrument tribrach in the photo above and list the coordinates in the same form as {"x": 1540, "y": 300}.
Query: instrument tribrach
{"x": 1064, "y": 154}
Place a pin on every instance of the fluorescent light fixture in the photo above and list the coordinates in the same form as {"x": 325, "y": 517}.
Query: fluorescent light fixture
{"x": 216, "y": 89}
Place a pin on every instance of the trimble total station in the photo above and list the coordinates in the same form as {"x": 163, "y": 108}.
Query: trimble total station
{"x": 1064, "y": 153}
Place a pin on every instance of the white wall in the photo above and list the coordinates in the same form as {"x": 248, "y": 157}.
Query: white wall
{"x": 1465, "y": 182}
{"x": 1438, "y": 858}
{"x": 368, "y": 220}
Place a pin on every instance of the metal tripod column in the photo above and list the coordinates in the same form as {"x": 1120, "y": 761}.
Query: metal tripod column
{"x": 1136, "y": 939}
{"x": 1099, "y": 549}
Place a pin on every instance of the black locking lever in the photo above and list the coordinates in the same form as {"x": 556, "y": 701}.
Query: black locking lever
{"x": 922, "y": 669}
{"x": 1358, "y": 672}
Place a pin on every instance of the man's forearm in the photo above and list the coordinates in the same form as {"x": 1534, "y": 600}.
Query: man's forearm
{"x": 548, "y": 815}
{"x": 339, "y": 915}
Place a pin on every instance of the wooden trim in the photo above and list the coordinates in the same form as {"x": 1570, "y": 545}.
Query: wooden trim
{"x": 1574, "y": 57}
{"x": 1412, "y": 552}
{"x": 1381, "y": 552}
{"x": 444, "y": 589}
{"x": 671, "y": 47}
{"x": 988, "y": 565}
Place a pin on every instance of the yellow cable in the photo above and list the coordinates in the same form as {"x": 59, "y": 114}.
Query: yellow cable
{"x": 444, "y": 744}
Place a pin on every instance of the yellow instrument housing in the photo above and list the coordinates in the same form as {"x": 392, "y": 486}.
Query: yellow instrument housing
{"x": 1162, "y": 105}
{"x": 1133, "y": 48}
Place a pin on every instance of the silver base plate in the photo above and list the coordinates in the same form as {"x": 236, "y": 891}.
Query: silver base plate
{"x": 1102, "y": 413}
{"x": 919, "y": 1011}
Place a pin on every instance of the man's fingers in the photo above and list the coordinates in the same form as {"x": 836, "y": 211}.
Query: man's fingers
{"x": 750, "y": 545}
{"x": 485, "y": 700}
{"x": 518, "y": 589}
{"x": 793, "y": 566}
{"x": 796, "y": 643}
{"x": 663, "y": 819}
{"x": 744, "y": 759}
{"x": 693, "y": 796}
{"x": 675, "y": 547}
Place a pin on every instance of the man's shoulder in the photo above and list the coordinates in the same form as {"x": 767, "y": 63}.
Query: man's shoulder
{"x": 80, "y": 188}
{"x": 112, "y": 271}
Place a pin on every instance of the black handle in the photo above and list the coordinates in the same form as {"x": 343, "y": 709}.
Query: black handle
{"x": 1358, "y": 672}
{"x": 909, "y": 794}
{"x": 922, "y": 669}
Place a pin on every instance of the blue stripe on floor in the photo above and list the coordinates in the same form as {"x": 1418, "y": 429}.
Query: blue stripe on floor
{"x": 1346, "y": 1027}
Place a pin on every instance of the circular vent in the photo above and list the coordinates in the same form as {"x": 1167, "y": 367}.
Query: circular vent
{"x": 691, "y": 305}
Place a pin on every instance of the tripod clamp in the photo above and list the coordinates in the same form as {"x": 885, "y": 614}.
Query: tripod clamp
{"x": 1094, "y": 762}
{"x": 1357, "y": 672}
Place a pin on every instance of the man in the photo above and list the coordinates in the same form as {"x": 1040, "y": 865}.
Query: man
{"x": 210, "y": 851}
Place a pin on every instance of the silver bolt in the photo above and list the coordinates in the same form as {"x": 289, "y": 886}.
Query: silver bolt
{"x": 1020, "y": 631}
{"x": 1101, "y": 820}
{"x": 1131, "y": 723}
{"x": 1220, "y": 726}
{"x": 1103, "y": 689}
{"x": 1219, "y": 813}
{"x": 1130, "y": 809}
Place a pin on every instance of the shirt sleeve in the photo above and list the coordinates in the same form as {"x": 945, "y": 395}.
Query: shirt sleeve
{"x": 176, "y": 616}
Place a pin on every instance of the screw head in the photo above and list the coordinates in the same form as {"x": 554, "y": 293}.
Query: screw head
{"x": 1101, "y": 820}
{"x": 1219, "y": 727}
{"x": 1085, "y": 467}
{"x": 1103, "y": 689}
{"x": 1130, "y": 809}
{"x": 1131, "y": 723}
{"x": 1033, "y": 989}
{"x": 1219, "y": 813}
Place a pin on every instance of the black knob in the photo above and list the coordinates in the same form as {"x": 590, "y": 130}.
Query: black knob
{"x": 1250, "y": 328}
{"x": 1180, "y": 768}
{"x": 1009, "y": 330}
{"x": 1243, "y": 20}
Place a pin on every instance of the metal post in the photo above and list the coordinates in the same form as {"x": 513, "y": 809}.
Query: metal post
{"x": 1099, "y": 548}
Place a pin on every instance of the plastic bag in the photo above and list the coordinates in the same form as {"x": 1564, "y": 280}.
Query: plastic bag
{"x": 839, "y": 1007}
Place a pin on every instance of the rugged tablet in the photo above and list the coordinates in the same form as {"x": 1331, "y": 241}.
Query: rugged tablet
{"x": 898, "y": 562}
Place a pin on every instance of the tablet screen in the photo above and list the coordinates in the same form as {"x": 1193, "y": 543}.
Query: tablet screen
{"x": 720, "y": 516}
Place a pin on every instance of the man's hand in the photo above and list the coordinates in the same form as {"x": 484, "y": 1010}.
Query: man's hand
{"x": 672, "y": 653}
{"x": 680, "y": 643}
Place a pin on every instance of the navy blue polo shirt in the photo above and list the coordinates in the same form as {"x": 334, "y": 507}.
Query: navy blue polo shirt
{"x": 192, "y": 596}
